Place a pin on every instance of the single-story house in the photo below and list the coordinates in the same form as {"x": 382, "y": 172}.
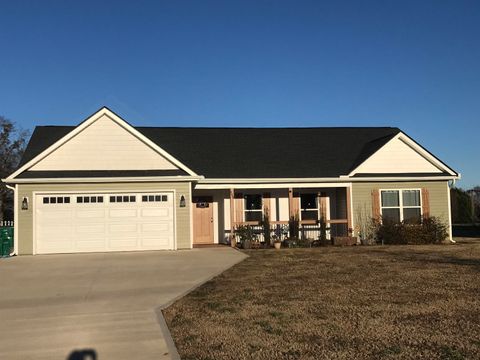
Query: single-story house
{"x": 106, "y": 185}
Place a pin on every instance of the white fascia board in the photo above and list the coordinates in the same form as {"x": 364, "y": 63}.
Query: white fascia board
{"x": 404, "y": 178}
{"x": 270, "y": 180}
{"x": 342, "y": 181}
{"x": 105, "y": 179}
{"x": 415, "y": 146}
{"x": 200, "y": 186}
{"x": 110, "y": 114}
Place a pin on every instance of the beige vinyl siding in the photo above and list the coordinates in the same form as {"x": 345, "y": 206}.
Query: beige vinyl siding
{"x": 397, "y": 157}
{"x": 182, "y": 216}
{"x": 437, "y": 190}
{"x": 104, "y": 145}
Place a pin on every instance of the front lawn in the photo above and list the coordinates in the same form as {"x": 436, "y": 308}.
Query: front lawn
{"x": 392, "y": 302}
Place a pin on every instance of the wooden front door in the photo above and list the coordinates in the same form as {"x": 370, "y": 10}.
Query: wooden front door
{"x": 203, "y": 220}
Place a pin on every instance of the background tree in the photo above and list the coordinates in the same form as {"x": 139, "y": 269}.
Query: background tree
{"x": 475, "y": 199}
{"x": 12, "y": 146}
{"x": 461, "y": 204}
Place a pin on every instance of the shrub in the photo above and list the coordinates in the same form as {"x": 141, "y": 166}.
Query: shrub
{"x": 246, "y": 235}
{"x": 430, "y": 231}
{"x": 294, "y": 227}
{"x": 265, "y": 223}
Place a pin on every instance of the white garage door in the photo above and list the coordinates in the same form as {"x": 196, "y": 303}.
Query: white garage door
{"x": 69, "y": 223}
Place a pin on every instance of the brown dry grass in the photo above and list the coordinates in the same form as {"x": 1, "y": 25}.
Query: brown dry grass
{"x": 396, "y": 302}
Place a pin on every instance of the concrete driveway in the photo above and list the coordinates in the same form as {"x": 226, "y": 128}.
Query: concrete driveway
{"x": 53, "y": 305}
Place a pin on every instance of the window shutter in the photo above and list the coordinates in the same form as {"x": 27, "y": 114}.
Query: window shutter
{"x": 376, "y": 204}
{"x": 267, "y": 204}
{"x": 239, "y": 208}
{"x": 425, "y": 203}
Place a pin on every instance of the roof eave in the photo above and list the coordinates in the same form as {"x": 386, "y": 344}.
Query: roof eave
{"x": 104, "y": 179}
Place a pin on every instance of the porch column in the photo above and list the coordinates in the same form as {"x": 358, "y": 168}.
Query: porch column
{"x": 233, "y": 243}
{"x": 290, "y": 203}
{"x": 349, "y": 210}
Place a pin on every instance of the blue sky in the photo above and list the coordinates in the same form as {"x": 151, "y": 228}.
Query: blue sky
{"x": 411, "y": 64}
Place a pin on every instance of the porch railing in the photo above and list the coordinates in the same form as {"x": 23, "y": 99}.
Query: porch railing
{"x": 6, "y": 223}
{"x": 312, "y": 231}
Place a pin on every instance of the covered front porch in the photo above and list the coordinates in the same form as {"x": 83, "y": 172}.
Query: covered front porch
{"x": 219, "y": 214}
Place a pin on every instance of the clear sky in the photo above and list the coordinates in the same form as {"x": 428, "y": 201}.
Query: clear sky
{"x": 411, "y": 64}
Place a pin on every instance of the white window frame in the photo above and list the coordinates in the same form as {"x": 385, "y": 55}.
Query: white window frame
{"x": 400, "y": 201}
{"x": 317, "y": 200}
{"x": 245, "y": 210}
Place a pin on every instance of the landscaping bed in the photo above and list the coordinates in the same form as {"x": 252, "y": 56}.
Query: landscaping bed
{"x": 391, "y": 302}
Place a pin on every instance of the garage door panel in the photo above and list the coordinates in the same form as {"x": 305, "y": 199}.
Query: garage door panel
{"x": 55, "y": 230}
{"x": 126, "y": 223}
{"x": 161, "y": 213}
{"x": 122, "y": 213}
{"x": 156, "y": 228}
{"x": 90, "y": 213}
{"x": 156, "y": 243}
{"x": 90, "y": 244}
{"x": 91, "y": 229}
{"x": 54, "y": 216}
{"x": 123, "y": 228}
{"x": 123, "y": 243}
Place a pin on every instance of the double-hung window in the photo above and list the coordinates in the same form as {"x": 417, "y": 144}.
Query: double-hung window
{"x": 253, "y": 207}
{"x": 309, "y": 205}
{"x": 401, "y": 205}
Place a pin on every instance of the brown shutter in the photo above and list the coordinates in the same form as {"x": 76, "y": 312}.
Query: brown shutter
{"x": 267, "y": 204}
{"x": 425, "y": 203}
{"x": 239, "y": 208}
{"x": 376, "y": 204}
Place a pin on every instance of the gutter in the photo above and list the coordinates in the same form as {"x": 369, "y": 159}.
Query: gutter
{"x": 340, "y": 179}
{"x": 103, "y": 179}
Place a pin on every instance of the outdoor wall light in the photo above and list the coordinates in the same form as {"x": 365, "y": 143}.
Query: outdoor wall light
{"x": 182, "y": 201}
{"x": 25, "y": 203}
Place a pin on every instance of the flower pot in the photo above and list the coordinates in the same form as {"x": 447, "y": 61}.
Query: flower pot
{"x": 277, "y": 245}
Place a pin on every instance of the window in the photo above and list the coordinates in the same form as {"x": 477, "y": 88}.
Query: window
{"x": 89, "y": 199}
{"x": 56, "y": 200}
{"x": 309, "y": 205}
{"x": 154, "y": 198}
{"x": 401, "y": 205}
{"x": 253, "y": 207}
{"x": 122, "y": 199}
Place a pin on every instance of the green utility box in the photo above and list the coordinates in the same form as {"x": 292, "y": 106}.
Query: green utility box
{"x": 6, "y": 241}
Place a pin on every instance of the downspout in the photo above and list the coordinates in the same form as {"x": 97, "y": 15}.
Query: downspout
{"x": 15, "y": 217}
{"x": 450, "y": 210}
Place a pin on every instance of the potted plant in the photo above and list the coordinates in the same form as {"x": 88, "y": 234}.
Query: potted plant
{"x": 276, "y": 242}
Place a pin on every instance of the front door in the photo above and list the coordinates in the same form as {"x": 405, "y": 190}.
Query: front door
{"x": 203, "y": 220}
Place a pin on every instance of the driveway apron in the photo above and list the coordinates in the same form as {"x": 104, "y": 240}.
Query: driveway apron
{"x": 106, "y": 306}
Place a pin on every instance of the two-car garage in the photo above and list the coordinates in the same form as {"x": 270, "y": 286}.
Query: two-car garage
{"x": 102, "y": 222}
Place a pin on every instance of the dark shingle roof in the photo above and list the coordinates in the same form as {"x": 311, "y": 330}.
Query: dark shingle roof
{"x": 253, "y": 152}
{"x": 267, "y": 152}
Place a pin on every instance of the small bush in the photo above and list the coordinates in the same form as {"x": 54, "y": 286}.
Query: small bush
{"x": 294, "y": 227}
{"x": 246, "y": 235}
{"x": 430, "y": 231}
{"x": 265, "y": 223}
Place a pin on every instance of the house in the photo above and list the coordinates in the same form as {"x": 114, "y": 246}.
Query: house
{"x": 106, "y": 185}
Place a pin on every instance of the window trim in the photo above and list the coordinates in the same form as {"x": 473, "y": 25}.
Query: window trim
{"x": 400, "y": 201}
{"x": 245, "y": 210}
